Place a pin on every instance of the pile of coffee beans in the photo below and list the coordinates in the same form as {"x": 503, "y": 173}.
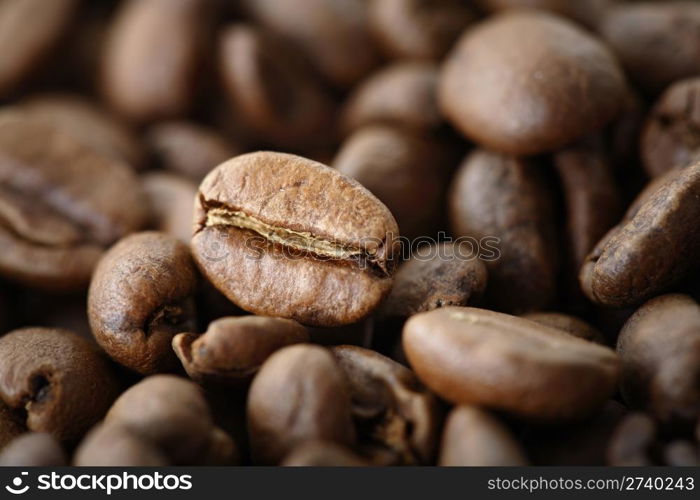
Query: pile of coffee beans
{"x": 349, "y": 232}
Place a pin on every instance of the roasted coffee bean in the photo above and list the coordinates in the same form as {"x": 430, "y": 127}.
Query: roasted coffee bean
{"x": 271, "y": 89}
{"x": 232, "y": 350}
{"x": 322, "y": 454}
{"x": 472, "y": 437}
{"x": 140, "y": 296}
{"x": 188, "y": 148}
{"x": 11, "y": 425}
{"x": 587, "y": 12}
{"x": 284, "y": 236}
{"x": 527, "y": 83}
{"x": 113, "y": 445}
{"x": 682, "y": 454}
{"x": 403, "y": 94}
{"x": 480, "y": 357}
{"x": 88, "y": 123}
{"x": 137, "y": 80}
{"x": 171, "y": 201}
{"x": 29, "y": 29}
{"x": 61, "y": 203}
{"x": 33, "y": 449}
{"x": 300, "y": 394}
{"x": 660, "y": 352}
{"x": 671, "y": 136}
{"x": 398, "y": 167}
{"x": 416, "y": 29}
{"x": 657, "y": 42}
{"x": 505, "y": 204}
{"x": 56, "y": 380}
{"x": 172, "y": 414}
{"x": 336, "y": 37}
{"x": 630, "y": 264}
{"x": 439, "y": 275}
{"x": 632, "y": 442}
{"x": 569, "y": 324}
{"x": 396, "y": 418}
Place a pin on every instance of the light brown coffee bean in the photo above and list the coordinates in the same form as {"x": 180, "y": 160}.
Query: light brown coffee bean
{"x": 322, "y": 454}
{"x": 659, "y": 347}
{"x": 472, "y": 438}
{"x": 569, "y": 324}
{"x": 114, "y": 445}
{"x": 140, "y": 296}
{"x": 171, "y": 200}
{"x": 49, "y": 375}
{"x": 587, "y": 12}
{"x": 299, "y": 395}
{"x": 232, "y": 350}
{"x": 632, "y": 441}
{"x": 33, "y": 449}
{"x": 480, "y": 357}
{"x": 681, "y": 453}
{"x": 284, "y": 236}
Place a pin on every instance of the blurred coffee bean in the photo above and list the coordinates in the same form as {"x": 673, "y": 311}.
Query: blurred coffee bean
{"x": 33, "y": 449}
{"x": 114, "y": 445}
{"x": 587, "y": 12}
{"x": 633, "y": 441}
{"x": 682, "y": 454}
{"x": 322, "y": 454}
{"x": 11, "y": 425}
{"x": 140, "y": 296}
{"x": 569, "y": 324}
{"x": 171, "y": 200}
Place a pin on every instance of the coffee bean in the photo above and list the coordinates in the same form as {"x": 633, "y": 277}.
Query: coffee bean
{"x": 398, "y": 167}
{"x": 569, "y": 324}
{"x": 472, "y": 437}
{"x": 322, "y": 454}
{"x": 11, "y": 425}
{"x": 112, "y": 445}
{"x": 189, "y": 149}
{"x": 140, "y": 296}
{"x": 57, "y": 380}
{"x": 171, "y": 201}
{"x": 672, "y": 131}
{"x": 415, "y": 29}
{"x": 632, "y": 442}
{"x": 403, "y": 94}
{"x": 136, "y": 79}
{"x": 299, "y": 395}
{"x": 629, "y": 264}
{"x": 283, "y": 236}
{"x": 33, "y": 449}
{"x": 445, "y": 274}
{"x": 682, "y": 454}
{"x": 657, "y": 42}
{"x": 29, "y": 29}
{"x": 508, "y": 201}
{"x": 515, "y": 84}
{"x": 660, "y": 352}
{"x": 480, "y": 357}
{"x": 587, "y": 12}
{"x": 396, "y": 418}
{"x": 232, "y": 350}
{"x": 335, "y": 38}
{"x": 61, "y": 204}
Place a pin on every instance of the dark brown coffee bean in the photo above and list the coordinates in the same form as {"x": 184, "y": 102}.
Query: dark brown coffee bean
{"x": 505, "y": 204}
{"x": 113, "y": 445}
{"x": 660, "y": 351}
{"x": 60, "y": 204}
{"x": 657, "y": 42}
{"x": 11, "y": 425}
{"x": 284, "y": 236}
{"x": 171, "y": 201}
{"x": 516, "y": 84}
{"x": 587, "y": 12}
{"x": 652, "y": 249}
{"x": 444, "y": 274}
{"x": 137, "y": 80}
{"x": 472, "y": 437}
{"x": 140, "y": 297}
{"x": 395, "y": 416}
{"x": 271, "y": 89}
{"x": 232, "y": 350}
{"x": 399, "y": 167}
{"x": 33, "y": 449}
{"x": 403, "y": 94}
{"x": 172, "y": 414}
{"x": 87, "y": 123}
{"x": 299, "y": 395}
{"x": 682, "y": 454}
{"x": 416, "y": 29}
{"x": 672, "y": 132}
{"x": 29, "y": 29}
{"x": 322, "y": 454}
{"x": 51, "y": 375}
{"x": 569, "y": 324}
{"x": 189, "y": 149}
{"x": 336, "y": 37}
{"x": 485, "y": 358}
{"x": 632, "y": 441}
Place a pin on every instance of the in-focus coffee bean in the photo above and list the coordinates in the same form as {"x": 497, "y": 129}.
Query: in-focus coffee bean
{"x": 569, "y": 324}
